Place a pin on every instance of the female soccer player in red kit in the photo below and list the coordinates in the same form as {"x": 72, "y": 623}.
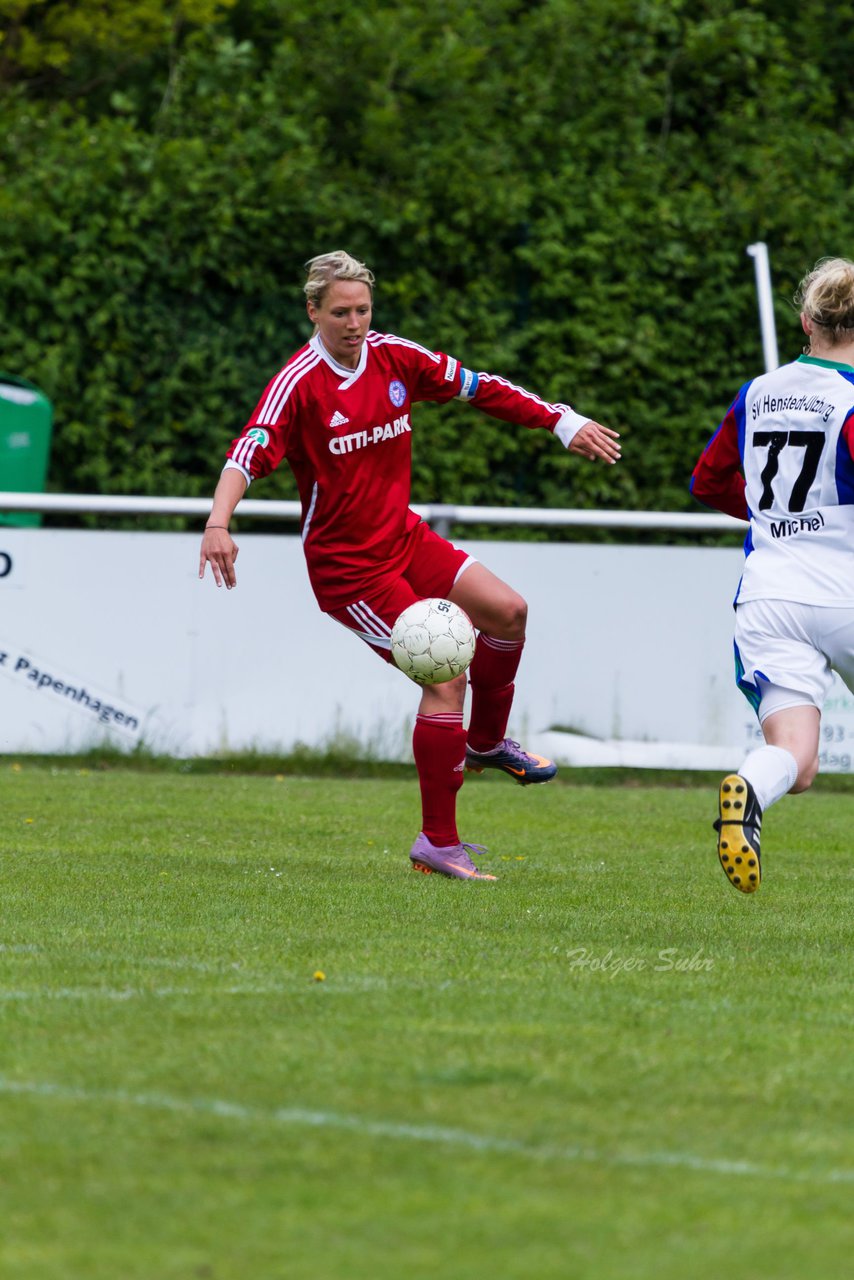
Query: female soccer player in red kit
{"x": 340, "y": 412}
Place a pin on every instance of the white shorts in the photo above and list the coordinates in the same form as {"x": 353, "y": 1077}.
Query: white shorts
{"x": 786, "y": 653}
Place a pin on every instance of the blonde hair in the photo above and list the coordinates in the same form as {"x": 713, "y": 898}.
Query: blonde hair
{"x": 326, "y": 268}
{"x": 826, "y": 296}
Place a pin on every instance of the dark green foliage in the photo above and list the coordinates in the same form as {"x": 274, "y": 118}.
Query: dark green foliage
{"x": 560, "y": 192}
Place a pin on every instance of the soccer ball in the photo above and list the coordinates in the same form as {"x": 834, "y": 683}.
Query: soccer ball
{"x": 432, "y": 641}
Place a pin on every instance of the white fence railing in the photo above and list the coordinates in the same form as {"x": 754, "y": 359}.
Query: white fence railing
{"x": 440, "y": 515}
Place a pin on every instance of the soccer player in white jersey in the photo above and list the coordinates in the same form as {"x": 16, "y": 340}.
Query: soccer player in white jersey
{"x": 783, "y": 458}
{"x": 340, "y": 414}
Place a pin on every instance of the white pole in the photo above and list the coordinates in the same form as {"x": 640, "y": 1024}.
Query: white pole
{"x": 759, "y": 254}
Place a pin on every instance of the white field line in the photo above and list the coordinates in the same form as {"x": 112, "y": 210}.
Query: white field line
{"x": 140, "y": 993}
{"x": 460, "y": 1139}
{"x": 339, "y": 987}
{"x": 225, "y": 969}
{"x": 99, "y": 957}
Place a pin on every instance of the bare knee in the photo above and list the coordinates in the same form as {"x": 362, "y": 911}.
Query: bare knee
{"x": 493, "y": 606}
{"x": 512, "y": 619}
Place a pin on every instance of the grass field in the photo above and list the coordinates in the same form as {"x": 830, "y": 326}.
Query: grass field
{"x": 608, "y": 1064}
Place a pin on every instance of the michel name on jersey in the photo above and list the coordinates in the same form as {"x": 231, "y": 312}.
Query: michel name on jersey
{"x": 803, "y": 524}
{"x": 374, "y": 435}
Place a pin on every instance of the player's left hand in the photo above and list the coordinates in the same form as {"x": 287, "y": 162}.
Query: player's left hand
{"x": 595, "y": 441}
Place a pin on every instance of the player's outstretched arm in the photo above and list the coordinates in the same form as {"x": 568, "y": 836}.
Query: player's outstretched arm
{"x": 218, "y": 547}
{"x": 595, "y": 441}
{"x": 501, "y": 399}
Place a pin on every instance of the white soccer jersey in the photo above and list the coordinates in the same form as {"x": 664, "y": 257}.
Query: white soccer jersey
{"x": 783, "y": 457}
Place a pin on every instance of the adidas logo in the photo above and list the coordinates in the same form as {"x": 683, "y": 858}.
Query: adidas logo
{"x": 337, "y": 420}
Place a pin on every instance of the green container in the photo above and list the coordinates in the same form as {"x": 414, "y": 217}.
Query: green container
{"x": 26, "y": 422}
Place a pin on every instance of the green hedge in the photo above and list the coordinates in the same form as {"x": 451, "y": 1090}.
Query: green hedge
{"x": 560, "y": 192}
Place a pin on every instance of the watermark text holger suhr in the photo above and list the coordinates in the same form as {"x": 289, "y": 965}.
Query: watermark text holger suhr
{"x": 668, "y": 960}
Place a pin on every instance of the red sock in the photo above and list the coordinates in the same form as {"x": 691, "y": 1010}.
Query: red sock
{"x": 491, "y": 676}
{"x": 439, "y": 747}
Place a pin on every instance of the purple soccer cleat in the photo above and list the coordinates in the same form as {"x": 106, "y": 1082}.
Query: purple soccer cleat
{"x": 448, "y": 860}
{"x": 510, "y": 757}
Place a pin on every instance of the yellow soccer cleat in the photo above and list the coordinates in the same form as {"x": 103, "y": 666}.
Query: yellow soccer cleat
{"x": 738, "y": 827}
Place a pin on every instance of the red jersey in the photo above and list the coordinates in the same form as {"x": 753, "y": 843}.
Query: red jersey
{"x": 346, "y": 435}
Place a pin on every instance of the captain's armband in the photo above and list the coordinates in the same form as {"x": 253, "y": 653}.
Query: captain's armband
{"x": 469, "y": 382}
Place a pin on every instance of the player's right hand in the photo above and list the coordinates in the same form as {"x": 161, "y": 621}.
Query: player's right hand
{"x": 220, "y": 551}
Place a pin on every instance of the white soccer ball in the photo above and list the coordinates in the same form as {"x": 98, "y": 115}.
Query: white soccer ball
{"x": 433, "y": 641}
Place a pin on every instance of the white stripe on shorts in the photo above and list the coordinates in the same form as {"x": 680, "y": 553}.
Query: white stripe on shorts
{"x": 365, "y": 617}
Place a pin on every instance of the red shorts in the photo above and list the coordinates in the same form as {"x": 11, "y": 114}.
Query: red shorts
{"x": 434, "y": 568}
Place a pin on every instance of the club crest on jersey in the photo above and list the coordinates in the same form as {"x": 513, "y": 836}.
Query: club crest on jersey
{"x": 337, "y": 420}
{"x": 396, "y": 392}
{"x": 259, "y": 435}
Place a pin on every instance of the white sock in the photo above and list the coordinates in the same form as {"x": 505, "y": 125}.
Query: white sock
{"x": 771, "y": 771}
